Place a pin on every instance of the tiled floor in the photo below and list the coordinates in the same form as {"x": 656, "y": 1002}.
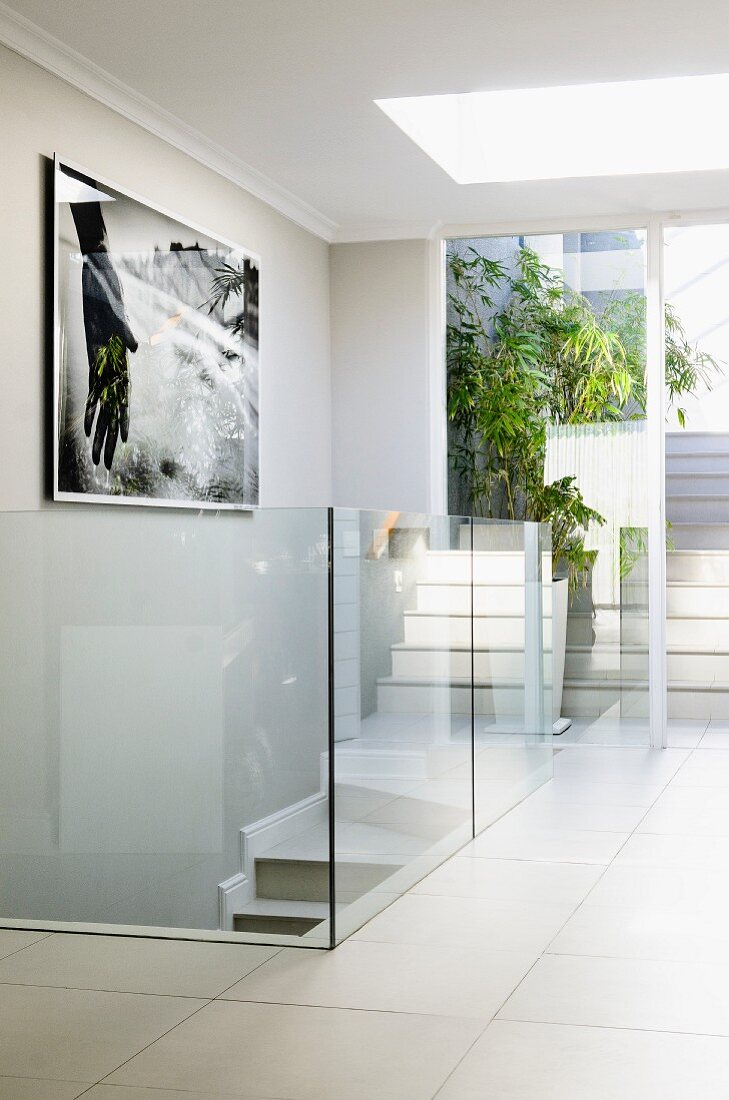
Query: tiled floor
{"x": 577, "y": 949}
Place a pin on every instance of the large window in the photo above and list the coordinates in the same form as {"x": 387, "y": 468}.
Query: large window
{"x": 547, "y": 421}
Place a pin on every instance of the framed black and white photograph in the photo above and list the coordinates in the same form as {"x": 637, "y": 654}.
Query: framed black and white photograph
{"x": 156, "y": 354}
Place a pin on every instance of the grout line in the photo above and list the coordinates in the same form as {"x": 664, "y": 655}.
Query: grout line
{"x": 18, "y": 950}
{"x": 146, "y": 1046}
{"x": 616, "y": 1027}
{"x": 248, "y": 973}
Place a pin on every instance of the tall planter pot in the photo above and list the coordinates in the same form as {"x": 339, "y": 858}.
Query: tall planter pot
{"x": 560, "y": 593}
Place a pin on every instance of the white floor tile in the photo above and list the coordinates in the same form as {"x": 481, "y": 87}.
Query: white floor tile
{"x": 127, "y": 965}
{"x": 513, "y": 1061}
{"x": 715, "y": 738}
{"x": 304, "y": 1053}
{"x": 642, "y": 933}
{"x": 123, "y": 1092}
{"x": 25, "y": 1088}
{"x": 605, "y": 819}
{"x": 673, "y": 850}
{"x": 709, "y": 768}
{"x": 618, "y": 765}
{"x": 12, "y": 940}
{"x": 689, "y": 811}
{"x": 586, "y": 793}
{"x": 500, "y": 926}
{"x": 80, "y": 1035}
{"x": 511, "y": 880}
{"x": 625, "y": 993}
{"x": 505, "y": 841}
{"x": 459, "y": 980}
{"x": 680, "y": 889}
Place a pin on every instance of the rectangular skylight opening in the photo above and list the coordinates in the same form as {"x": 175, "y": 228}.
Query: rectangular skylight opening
{"x": 632, "y": 127}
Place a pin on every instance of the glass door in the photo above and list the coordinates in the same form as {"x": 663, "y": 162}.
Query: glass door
{"x": 696, "y": 280}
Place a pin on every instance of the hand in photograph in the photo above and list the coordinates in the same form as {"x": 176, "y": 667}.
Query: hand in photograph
{"x": 109, "y": 338}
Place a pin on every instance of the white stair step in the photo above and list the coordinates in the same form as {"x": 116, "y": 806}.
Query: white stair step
{"x": 429, "y": 662}
{"x": 398, "y": 696}
{"x": 454, "y": 567}
{"x": 700, "y": 701}
{"x": 488, "y": 599}
{"x": 308, "y": 880}
{"x": 690, "y": 535}
{"x": 632, "y": 664}
{"x": 698, "y": 482}
{"x": 422, "y": 628}
{"x": 442, "y": 662}
{"x": 696, "y": 600}
{"x": 686, "y": 462}
{"x": 698, "y": 565}
{"x": 605, "y": 662}
{"x": 710, "y": 633}
{"x": 697, "y": 507}
{"x": 680, "y": 442}
{"x": 375, "y": 762}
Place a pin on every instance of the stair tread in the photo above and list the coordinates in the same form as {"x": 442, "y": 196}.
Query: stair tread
{"x": 417, "y": 612}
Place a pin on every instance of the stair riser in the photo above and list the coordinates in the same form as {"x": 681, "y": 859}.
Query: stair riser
{"x": 487, "y": 569}
{"x": 308, "y": 880}
{"x": 387, "y": 765}
{"x": 708, "y": 462}
{"x": 698, "y": 601}
{"x": 715, "y": 481}
{"x": 697, "y": 705}
{"x": 705, "y": 633}
{"x": 699, "y": 536}
{"x": 584, "y": 666}
{"x": 704, "y": 568}
{"x": 710, "y": 442}
{"x": 454, "y": 599}
{"x": 441, "y": 664}
{"x": 440, "y": 630}
{"x": 283, "y": 880}
{"x": 697, "y": 510}
{"x": 701, "y": 667}
{"x": 591, "y": 701}
{"x": 416, "y": 699}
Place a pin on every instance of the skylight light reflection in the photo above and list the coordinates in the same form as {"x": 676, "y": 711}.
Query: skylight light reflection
{"x": 628, "y": 128}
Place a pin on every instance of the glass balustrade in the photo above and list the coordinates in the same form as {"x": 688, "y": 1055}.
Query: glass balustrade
{"x": 259, "y": 727}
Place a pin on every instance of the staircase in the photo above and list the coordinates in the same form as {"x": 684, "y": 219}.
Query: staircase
{"x": 431, "y": 666}
{"x": 394, "y": 821}
{"x": 600, "y": 671}
{"x": 697, "y": 507}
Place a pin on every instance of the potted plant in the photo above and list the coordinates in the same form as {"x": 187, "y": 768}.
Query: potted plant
{"x": 525, "y": 351}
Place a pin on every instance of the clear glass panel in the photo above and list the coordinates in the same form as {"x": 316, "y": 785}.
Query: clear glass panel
{"x": 164, "y": 712}
{"x": 547, "y": 403}
{"x": 517, "y": 614}
{"x": 696, "y": 273}
{"x": 403, "y": 699}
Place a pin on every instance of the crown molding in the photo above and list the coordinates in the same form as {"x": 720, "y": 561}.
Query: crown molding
{"x": 32, "y": 42}
{"x": 359, "y": 233}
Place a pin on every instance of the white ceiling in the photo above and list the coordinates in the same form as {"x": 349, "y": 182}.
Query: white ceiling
{"x": 287, "y": 86}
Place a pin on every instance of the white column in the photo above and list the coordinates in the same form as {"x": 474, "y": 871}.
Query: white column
{"x": 656, "y": 475}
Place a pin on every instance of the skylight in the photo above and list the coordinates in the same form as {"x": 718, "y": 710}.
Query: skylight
{"x": 627, "y": 128}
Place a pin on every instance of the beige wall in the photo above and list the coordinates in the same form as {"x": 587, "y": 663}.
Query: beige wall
{"x": 40, "y": 115}
{"x": 382, "y": 390}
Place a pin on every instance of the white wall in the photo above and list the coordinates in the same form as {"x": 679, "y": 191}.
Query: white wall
{"x": 41, "y": 115}
{"x": 119, "y": 581}
{"x": 382, "y": 392}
